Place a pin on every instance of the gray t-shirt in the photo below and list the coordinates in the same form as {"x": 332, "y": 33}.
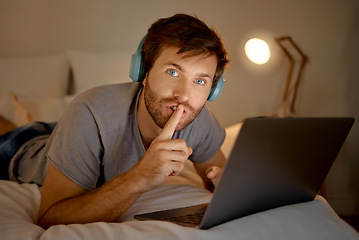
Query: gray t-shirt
{"x": 97, "y": 138}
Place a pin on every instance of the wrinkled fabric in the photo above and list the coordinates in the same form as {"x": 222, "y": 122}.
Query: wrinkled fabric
{"x": 12, "y": 141}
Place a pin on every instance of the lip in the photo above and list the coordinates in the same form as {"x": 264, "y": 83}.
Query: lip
{"x": 174, "y": 108}
{"x": 171, "y": 110}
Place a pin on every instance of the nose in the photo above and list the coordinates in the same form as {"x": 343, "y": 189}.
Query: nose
{"x": 183, "y": 90}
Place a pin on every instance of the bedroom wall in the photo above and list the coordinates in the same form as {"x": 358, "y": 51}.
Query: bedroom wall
{"x": 327, "y": 31}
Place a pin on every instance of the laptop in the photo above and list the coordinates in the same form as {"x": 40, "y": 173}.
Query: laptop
{"x": 274, "y": 162}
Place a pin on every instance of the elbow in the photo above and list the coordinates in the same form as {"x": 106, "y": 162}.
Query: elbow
{"x": 43, "y": 222}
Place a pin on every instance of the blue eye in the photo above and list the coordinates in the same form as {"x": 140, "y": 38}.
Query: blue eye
{"x": 173, "y": 73}
{"x": 200, "y": 81}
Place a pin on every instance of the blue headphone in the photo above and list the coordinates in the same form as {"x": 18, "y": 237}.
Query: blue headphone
{"x": 137, "y": 73}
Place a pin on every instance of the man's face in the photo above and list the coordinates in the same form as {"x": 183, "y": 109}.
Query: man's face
{"x": 175, "y": 79}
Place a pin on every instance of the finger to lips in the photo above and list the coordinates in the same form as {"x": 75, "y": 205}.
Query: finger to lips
{"x": 179, "y": 150}
{"x": 170, "y": 127}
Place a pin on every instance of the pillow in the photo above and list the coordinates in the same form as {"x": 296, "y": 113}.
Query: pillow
{"x": 91, "y": 69}
{"x": 41, "y": 76}
{"x": 45, "y": 109}
{"x": 11, "y": 110}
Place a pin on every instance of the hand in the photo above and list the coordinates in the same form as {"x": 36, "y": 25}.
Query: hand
{"x": 165, "y": 157}
{"x": 214, "y": 173}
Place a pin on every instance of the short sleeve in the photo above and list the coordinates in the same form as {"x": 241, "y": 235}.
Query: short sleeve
{"x": 75, "y": 146}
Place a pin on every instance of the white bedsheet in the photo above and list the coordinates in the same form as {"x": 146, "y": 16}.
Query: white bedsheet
{"x": 19, "y": 204}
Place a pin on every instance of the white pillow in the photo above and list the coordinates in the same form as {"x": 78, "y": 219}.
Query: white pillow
{"x": 12, "y": 110}
{"x": 41, "y": 76}
{"x": 46, "y": 109}
{"x": 93, "y": 69}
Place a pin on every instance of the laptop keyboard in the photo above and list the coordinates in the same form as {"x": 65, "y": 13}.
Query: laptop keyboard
{"x": 193, "y": 218}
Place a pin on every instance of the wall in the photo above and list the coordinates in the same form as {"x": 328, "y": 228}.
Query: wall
{"x": 327, "y": 31}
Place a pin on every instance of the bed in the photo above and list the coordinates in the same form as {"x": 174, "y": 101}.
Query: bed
{"x": 39, "y": 88}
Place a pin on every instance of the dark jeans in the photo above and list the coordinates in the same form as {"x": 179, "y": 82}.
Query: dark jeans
{"x": 12, "y": 141}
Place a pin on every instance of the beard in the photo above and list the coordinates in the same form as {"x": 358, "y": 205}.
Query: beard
{"x": 156, "y": 107}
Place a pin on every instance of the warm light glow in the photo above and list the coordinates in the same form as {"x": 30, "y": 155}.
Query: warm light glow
{"x": 257, "y": 50}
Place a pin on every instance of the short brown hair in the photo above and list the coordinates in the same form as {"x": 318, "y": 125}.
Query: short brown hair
{"x": 188, "y": 33}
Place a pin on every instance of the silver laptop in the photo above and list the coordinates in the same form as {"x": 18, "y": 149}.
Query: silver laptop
{"x": 274, "y": 162}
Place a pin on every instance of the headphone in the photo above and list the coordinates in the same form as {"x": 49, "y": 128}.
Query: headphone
{"x": 137, "y": 73}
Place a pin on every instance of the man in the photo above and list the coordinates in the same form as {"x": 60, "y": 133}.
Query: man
{"x": 116, "y": 142}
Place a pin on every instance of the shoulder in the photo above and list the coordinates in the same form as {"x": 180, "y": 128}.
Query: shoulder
{"x": 123, "y": 92}
{"x": 106, "y": 105}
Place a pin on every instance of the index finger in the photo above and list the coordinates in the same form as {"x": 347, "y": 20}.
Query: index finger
{"x": 170, "y": 127}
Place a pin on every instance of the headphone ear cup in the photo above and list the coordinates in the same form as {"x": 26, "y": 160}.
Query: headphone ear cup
{"x": 216, "y": 90}
{"x": 137, "y": 69}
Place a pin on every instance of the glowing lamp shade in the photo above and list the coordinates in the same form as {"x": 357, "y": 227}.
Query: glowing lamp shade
{"x": 257, "y": 50}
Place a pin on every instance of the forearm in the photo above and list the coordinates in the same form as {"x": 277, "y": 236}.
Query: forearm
{"x": 65, "y": 202}
{"x": 105, "y": 204}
